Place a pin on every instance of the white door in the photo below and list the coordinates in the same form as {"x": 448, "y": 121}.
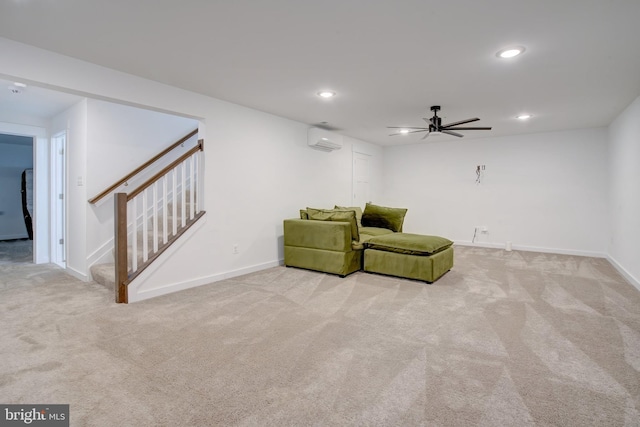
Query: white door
{"x": 361, "y": 179}
{"x": 59, "y": 195}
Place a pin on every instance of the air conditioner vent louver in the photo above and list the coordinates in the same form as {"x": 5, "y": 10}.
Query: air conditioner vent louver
{"x": 324, "y": 140}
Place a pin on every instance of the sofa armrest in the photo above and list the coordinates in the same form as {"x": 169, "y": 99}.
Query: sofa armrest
{"x": 327, "y": 235}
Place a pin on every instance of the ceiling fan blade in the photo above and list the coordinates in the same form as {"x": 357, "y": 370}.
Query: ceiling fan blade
{"x": 461, "y": 122}
{"x": 406, "y": 127}
{"x": 407, "y": 133}
{"x": 448, "y": 132}
{"x": 479, "y": 128}
{"x": 426, "y": 136}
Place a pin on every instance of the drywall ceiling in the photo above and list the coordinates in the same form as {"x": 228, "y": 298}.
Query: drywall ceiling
{"x": 33, "y": 101}
{"x": 387, "y": 61}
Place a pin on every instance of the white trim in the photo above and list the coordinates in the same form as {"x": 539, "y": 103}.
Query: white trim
{"x": 533, "y": 249}
{"x": 635, "y": 282}
{"x": 181, "y": 286}
{"x": 75, "y": 273}
{"x": 102, "y": 255}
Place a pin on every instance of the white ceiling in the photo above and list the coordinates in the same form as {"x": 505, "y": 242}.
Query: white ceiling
{"x": 388, "y": 61}
{"x": 33, "y": 101}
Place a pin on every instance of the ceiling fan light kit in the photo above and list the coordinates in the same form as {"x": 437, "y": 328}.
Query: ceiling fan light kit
{"x": 436, "y": 127}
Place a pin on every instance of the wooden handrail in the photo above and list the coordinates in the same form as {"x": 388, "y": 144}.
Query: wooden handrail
{"x": 142, "y": 167}
{"x": 166, "y": 169}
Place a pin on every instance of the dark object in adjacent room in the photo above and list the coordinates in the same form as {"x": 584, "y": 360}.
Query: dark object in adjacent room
{"x": 27, "y": 199}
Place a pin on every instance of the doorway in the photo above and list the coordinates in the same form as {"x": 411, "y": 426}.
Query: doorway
{"x": 16, "y": 189}
{"x": 361, "y": 179}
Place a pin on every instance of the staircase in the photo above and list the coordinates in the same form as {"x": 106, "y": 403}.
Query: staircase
{"x": 105, "y": 274}
{"x": 148, "y": 219}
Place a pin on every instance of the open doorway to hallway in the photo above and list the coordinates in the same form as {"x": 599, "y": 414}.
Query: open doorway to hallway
{"x": 16, "y": 197}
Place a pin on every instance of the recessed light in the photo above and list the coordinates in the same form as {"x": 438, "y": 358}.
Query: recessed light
{"x": 18, "y": 84}
{"x": 523, "y": 116}
{"x": 510, "y": 52}
{"x": 326, "y": 94}
{"x": 404, "y": 130}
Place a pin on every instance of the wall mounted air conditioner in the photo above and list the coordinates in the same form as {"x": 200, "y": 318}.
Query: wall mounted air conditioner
{"x": 324, "y": 140}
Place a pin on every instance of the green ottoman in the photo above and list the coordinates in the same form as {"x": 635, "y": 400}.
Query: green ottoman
{"x": 412, "y": 256}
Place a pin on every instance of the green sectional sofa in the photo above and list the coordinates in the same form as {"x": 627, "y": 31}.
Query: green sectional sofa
{"x": 346, "y": 239}
{"x": 332, "y": 240}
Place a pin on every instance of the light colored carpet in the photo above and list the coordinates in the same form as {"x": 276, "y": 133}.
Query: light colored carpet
{"x": 504, "y": 339}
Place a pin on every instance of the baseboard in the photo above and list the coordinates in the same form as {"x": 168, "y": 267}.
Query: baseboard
{"x": 102, "y": 255}
{"x": 78, "y": 275}
{"x": 575, "y": 252}
{"x": 623, "y": 271}
{"x": 478, "y": 245}
{"x": 181, "y": 286}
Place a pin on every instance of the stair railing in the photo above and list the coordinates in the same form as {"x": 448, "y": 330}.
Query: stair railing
{"x": 155, "y": 214}
{"x": 143, "y": 166}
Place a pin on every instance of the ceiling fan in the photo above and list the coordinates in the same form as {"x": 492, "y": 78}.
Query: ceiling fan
{"x": 436, "y": 127}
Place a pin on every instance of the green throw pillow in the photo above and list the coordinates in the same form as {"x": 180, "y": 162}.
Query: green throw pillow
{"x": 313, "y": 211}
{"x": 383, "y": 217}
{"x": 357, "y": 209}
{"x": 304, "y": 214}
{"x": 339, "y": 216}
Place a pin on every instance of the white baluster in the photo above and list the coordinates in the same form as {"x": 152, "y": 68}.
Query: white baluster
{"x": 191, "y": 188}
{"x": 145, "y": 227}
{"x": 164, "y": 209}
{"x": 134, "y": 238}
{"x": 183, "y": 186}
{"x": 154, "y": 213}
{"x": 174, "y": 200}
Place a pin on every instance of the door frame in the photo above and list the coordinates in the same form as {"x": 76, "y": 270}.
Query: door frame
{"x": 59, "y": 193}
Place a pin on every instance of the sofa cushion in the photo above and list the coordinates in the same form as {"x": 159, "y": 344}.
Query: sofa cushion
{"x": 357, "y": 209}
{"x": 383, "y": 217}
{"x": 373, "y": 231}
{"x": 406, "y": 243}
{"x": 304, "y": 214}
{"x": 339, "y": 216}
{"x": 366, "y": 233}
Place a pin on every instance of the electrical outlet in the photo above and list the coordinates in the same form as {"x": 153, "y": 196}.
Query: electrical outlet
{"x": 235, "y": 249}
{"x": 484, "y": 229}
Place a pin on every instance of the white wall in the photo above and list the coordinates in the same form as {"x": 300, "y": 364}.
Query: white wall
{"x": 14, "y": 159}
{"x": 624, "y": 192}
{"x": 259, "y": 170}
{"x": 545, "y": 191}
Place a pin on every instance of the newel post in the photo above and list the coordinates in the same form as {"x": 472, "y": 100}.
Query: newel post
{"x": 120, "y": 224}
